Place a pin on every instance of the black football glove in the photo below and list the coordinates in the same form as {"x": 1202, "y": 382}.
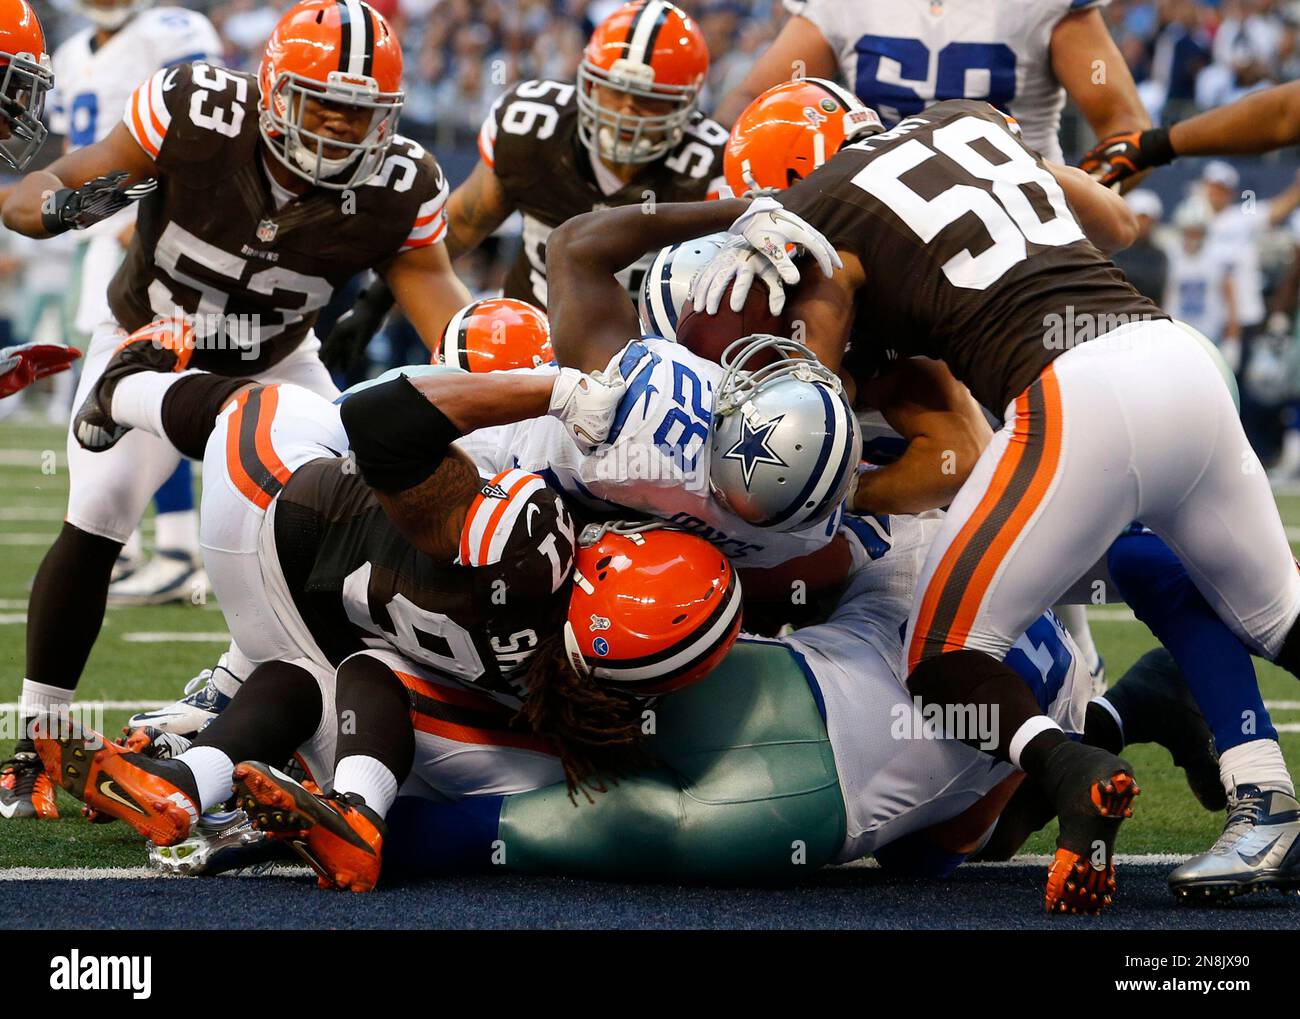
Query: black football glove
{"x": 355, "y": 328}
{"x": 78, "y": 208}
{"x": 1121, "y": 156}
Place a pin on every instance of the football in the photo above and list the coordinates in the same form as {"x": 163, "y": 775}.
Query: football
{"x": 709, "y": 335}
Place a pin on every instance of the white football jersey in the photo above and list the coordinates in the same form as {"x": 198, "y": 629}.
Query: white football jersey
{"x": 900, "y": 56}
{"x": 1194, "y": 288}
{"x": 657, "y": 460}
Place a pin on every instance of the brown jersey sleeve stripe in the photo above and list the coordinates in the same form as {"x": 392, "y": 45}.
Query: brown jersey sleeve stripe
{"x": 465, "y": 717}
{"x": 1020, "y": 483}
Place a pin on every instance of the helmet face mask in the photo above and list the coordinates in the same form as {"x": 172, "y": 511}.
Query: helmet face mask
{"x": 785, "y": 442}
{"x": 295, "y": 101}
{"x": 620, "y": 136}
{"x": 26, "y": 79}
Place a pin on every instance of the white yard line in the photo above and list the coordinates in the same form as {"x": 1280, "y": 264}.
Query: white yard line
{"x": 103, "y": 705}
{"x": 171, "y": 637}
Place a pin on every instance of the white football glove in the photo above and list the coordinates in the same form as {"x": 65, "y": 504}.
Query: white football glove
{"x": 767, "y": 229}
{"x": 587, "y": 403}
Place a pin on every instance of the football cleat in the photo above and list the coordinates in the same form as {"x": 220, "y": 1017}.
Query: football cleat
{"x": 339, "y": 836}
{"x": 171, "y": 575}
{"x": 156, "y": 798}
{"x": 1259, "y": 848}
{"x": 201, "y": 703}
{"x": 26, "y": 791}
{"x": 162, "y": 346}
{"x": 221, "y": 842}
{"x": 1093, "y": 791}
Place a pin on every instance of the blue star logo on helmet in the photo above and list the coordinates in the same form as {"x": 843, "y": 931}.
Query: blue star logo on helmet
{"x": 600, "y": 646}
{"x": 752, "y": 448}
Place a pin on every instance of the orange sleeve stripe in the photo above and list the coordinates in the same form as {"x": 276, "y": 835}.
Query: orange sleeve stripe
{"x": 138, "y": 130}
{"x": 486, "y": 543}
{"x": 485, "y": 154}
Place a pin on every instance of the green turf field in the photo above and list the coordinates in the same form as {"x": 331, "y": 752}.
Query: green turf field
{"x": 148, "y": 654}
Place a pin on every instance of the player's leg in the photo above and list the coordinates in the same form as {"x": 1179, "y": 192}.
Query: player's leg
{"x": 1040, "y": 508}
{"x": 107, "y": 495}
{"x": 174, "y": 572}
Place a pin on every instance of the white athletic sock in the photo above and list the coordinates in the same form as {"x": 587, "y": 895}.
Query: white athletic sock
{"x": 134, "y": 547}
{"x": 213, "y": 774}
{"x": 39, "y": 700}
{"x": 369, "y": 778}
{"x": 137, "y": 400}
{"x": 177, "y": 531}
{"x": 1258, "y": 762}
{"x": 1026, "y": 732}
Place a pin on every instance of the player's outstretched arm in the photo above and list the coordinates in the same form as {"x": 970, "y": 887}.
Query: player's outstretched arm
{"x": 799, "y": 51}
{"x": 1260, "y": 122}
{"x": 427, "y": 289}
{"x": 945, "y": 431}
{"x": 1105, "y": 217}
{"x": 35, "y": 198}
{"x": 1089, "y": 65}
{"x": 591, "y": 315}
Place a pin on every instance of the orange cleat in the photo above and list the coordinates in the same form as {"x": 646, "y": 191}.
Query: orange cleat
{"x": 339, "y": 836}
{"x": 1094, "y": 792}
{"x": 26, "y": 791}
{"x": 156, "y": 798}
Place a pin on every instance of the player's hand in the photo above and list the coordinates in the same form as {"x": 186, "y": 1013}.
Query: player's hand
{"x": 1120, "y": 156}
{"x": 587, "y": 403}
{"x": 22, "y": 365}
{"x": 776, "y": 236}
{"x": 736, "y": 261}
{"x": 354, "y": 330}
{"x": 96, "y": 200}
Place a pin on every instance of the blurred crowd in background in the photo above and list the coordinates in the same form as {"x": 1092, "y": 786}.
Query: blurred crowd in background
{"x": 1206, "y": 223}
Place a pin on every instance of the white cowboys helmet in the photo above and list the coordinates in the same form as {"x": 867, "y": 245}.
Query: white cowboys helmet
{"x": 786, "y": 443}
{"x": 670, "y": 280}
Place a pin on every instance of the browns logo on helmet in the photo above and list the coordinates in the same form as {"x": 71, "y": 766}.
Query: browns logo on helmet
{"x": 496, "y": 334}
{"x": 28, "y": 76}
{"x": 652, "y": 611}
{"x": 331, "y": 91}
{"x": 790, "y": 130}
{"x": 639, "y": 81}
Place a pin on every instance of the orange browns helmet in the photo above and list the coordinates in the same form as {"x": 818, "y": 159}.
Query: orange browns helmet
{"x": 496, "y": 334}
{"x": 790, "y": 130}
{"x": 654, "y": 52}
{"x": 338, "y": 51}
{"x": 652, "y": 611}
{"x": 28, "y": 76}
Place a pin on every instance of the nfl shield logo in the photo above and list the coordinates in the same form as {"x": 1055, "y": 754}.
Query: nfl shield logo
{"x": 266, "y": 231}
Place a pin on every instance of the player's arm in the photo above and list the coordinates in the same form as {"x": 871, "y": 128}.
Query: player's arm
{"x": 1081, "y": 45}
{"x": 78, "y": 176}
{"x": 799, "y": 50}
{"x": 427, "y": 289}
{"x": 1260, "y": 122}
{"x": 945, "y": 431}
{"x": 475, "y": 209}
{"x": 591, "y": 316}
{"x": 821, "y": 311}
{"x": 1105, "y": 217}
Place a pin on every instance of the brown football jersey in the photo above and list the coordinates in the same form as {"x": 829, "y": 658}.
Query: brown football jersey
{"x": 212, "y": 243}
{"x": 358, "y": 583}
{"x": 971, "y": 250}
{"x": 530, "y": 139}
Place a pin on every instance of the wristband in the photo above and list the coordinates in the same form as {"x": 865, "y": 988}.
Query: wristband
{"x": 398, "y": 437}
{"x": 1157, "y": 149}
{"x": 52, "y": 221}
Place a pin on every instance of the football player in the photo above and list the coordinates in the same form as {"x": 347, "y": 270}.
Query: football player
{"x": 627, "y": 132}
{"x": 900, "y": 57}
{"x": 28, "y": 78}
{"x": 264, "y": 193}
{"x": 96, "y": 70}
{"x": 955, "y": 188}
